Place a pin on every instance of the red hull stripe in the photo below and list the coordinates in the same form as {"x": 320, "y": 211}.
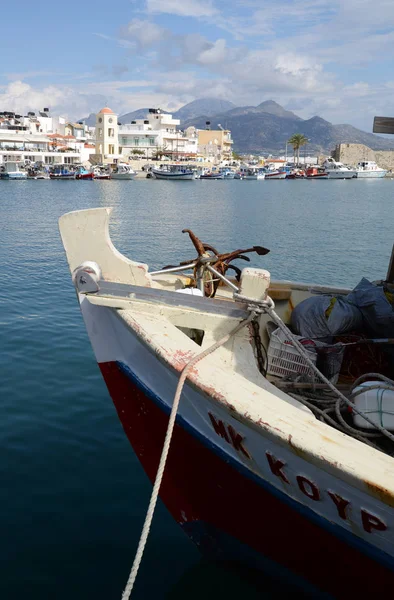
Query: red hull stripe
{"x": 202, "y": 483}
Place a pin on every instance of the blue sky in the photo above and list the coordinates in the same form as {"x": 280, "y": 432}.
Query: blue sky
{"x": 333, "y": 58}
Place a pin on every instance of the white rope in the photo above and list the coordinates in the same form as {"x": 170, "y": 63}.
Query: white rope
{"x": 163, "y": 458}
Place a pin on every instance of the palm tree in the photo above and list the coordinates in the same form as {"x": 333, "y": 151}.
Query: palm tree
{"x": 297, "y": 140}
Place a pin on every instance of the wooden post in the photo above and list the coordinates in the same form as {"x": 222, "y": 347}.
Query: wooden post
{"x": 390, "y": 272}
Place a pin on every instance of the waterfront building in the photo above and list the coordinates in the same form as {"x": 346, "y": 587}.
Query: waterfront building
{"x": 38, "y": 138}
{"x": 156, "y": 136}
{"x": 215, "y": 144}
{"x": 107, "y": 142}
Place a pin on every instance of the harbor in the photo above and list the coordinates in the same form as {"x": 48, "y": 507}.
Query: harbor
{"x": 86, "y": 515}
{"x": 41, "y": 147}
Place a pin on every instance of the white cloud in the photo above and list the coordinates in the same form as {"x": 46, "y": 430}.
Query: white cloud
{"x": 143, "y": 32}
{"x": 217, "y": 53}
{"x": 183, "y": 8}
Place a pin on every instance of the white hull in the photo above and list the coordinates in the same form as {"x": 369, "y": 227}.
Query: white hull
{"x": 255, "y": 177}
{"x": 122, "y": 176}
{"x": 275, "y": 175}
{"x": 371, "y": 174}
{"x": 341, "y": 174}
{"x": 15, "y": 175}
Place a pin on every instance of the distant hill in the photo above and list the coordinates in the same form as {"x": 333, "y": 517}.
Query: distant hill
{"x": 140, "y": 113}
{"x": 90, "y": 121}
{"x": 203, "y": 106}
{"x": 273, "y": 108}
{"x": 264, "y": 128}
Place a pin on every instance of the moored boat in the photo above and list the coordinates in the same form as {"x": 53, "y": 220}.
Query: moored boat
{"x": 174, "y": 172}
{"x": 316, "y": 173}
{"x": 275, "y": 174}
{"x": 369, "y": 168}
{"x": 123, "y": 171}
{"x": 84, "y": 174}
{"x": 257, "y": 471}
{"x": 251, "y": 173}
{"x": 337, "y": 170}
{"x": 62, "y": 173}
{"x": 227, "y": 172}
{"x": 12, "y": 170}
{"x": 212, "y": 175}
{"x": 101, "y": 173}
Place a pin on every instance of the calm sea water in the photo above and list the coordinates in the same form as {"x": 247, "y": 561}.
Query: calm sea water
{"x": 73, "y": 496}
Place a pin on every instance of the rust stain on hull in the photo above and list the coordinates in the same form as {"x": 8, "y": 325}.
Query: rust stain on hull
{"x": 381, "y": 493}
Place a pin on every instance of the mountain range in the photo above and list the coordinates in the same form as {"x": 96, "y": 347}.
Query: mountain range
{"x": 264, "y": 128}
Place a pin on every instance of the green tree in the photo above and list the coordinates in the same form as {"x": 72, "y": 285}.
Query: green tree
{"x": 297, "y": 140}
{"x": 236, "y": 156}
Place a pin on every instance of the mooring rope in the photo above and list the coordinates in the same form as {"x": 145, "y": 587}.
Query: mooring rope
{"x": 164, "y": 453}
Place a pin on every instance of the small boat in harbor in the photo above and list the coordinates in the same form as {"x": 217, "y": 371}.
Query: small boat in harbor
{"x": 38, "y": 172}
{"x": 174, "y": 173}
{"x": 369, "y": 168}
{"x": 337, "y": 170}
{"x": 227, "y": 172}
{"x": 101, "y": 173}
{"x": 123, "y": 171}
{"x": 277, "y": 174}
{"x": 84, "y": 174}
{"x": 295, "y": 174}
{"x": 212, "y": 175}
{"x": 316, "y": 173}
{"x": 251, "y": 173}
{"x": 62, "y": 173}
{"x": 270, "y": 461}
{"x": 12, "y": 170}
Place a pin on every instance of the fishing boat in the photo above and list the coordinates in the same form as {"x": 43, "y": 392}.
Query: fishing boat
{"x": 337, "y": 170}
{"x": 84, "y": 174}
{"x": 369, "y": 168}
{"x": 38, "y": 172}
{"x": 174, "y": 172}
{"x": 316, "y": 173}
{"x": 273, "y": 173}
{"x": 62, "y": 173}
{"x": 270, "y": 462}
{"x": 212, "y": 175}
{"x": 101, "y": 173}
{"x": 251, "y": 173}
{"x": 295, "y": 174}
{"x": 227, "y": 172}
{"x": 123, "y": 171}
{"x": 12, "y": 170}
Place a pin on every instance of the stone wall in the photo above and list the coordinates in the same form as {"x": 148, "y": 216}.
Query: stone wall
{"x": 351, "y": 154}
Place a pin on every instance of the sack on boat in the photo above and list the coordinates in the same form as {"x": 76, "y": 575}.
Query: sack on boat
{"x": 377, "y": 311}
{"x": 324, "y": 317}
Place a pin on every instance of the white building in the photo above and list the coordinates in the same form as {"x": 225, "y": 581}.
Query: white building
{"x": 30, "y": 139}
{"x": 156, "y": 136}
